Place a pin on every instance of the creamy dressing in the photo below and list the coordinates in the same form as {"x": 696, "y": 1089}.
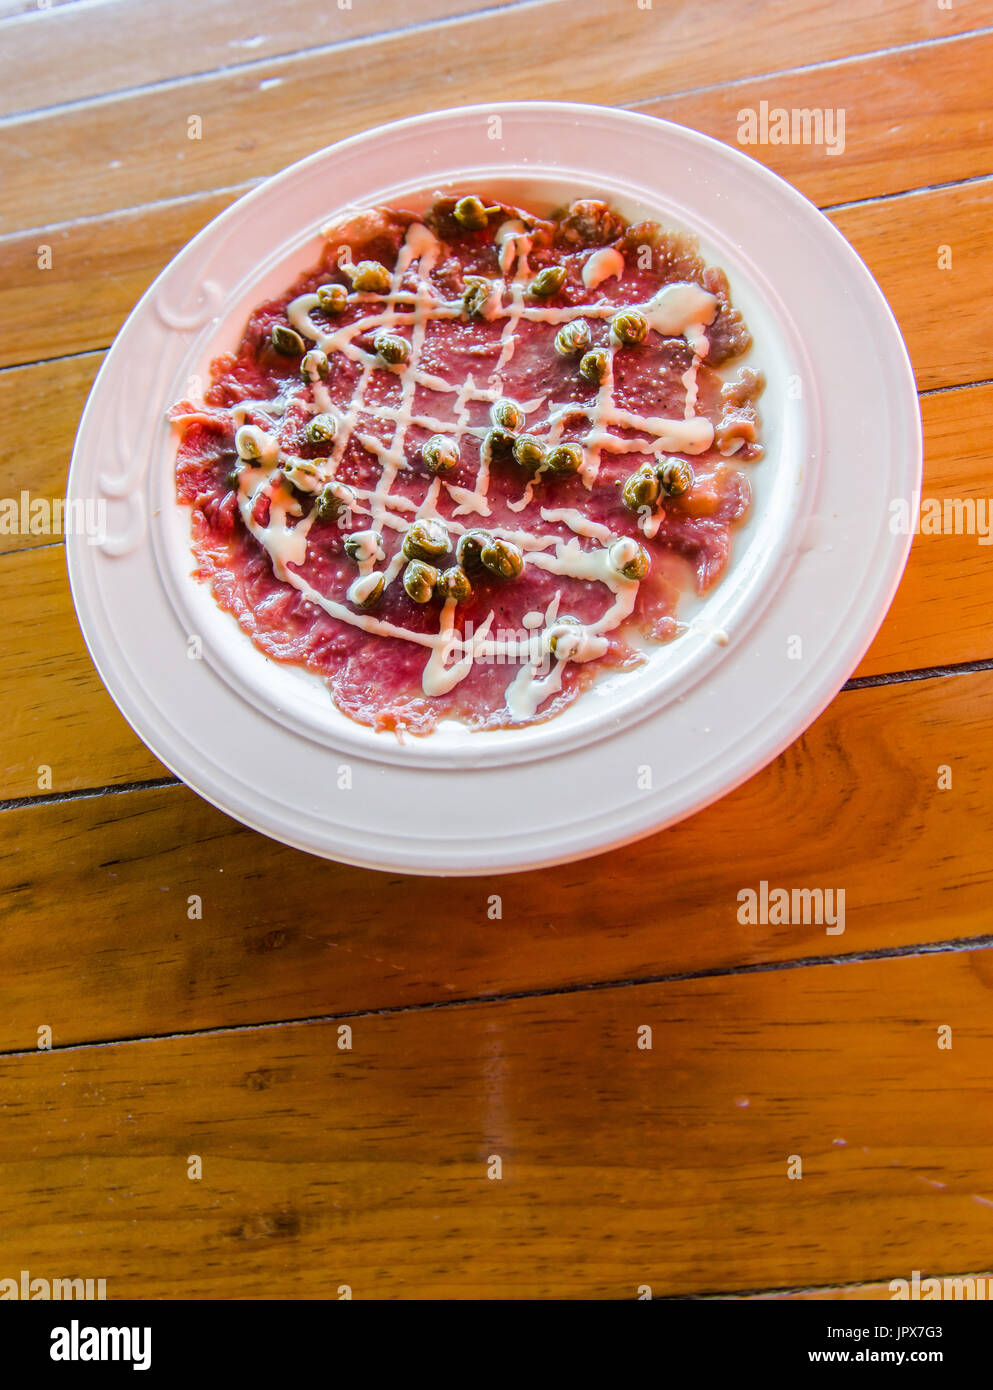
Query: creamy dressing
{"x": 676, "y": 309}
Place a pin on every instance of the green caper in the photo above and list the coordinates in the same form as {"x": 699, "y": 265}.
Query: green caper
{"x": 233, "y": 480}
{"x": 426, "y": 540}
{"x": 330, "y": 504}
{"x": 548, "y": 281}
{"x": 528, "y": 451}
{"x": 595, "y": 366}
{"x": 629, "y": 327}
{"x": 471, "y": 213}
{"x": 564, "y": 458}
{"x": 507, "y": 414}
{"x": 363, "y": 545}
{"x": 476, "y": 294}
{"x": 315, "y": 365}
{"x": 469, "y": 550}
{"x": 556, "y": 636}
{"x": 286, "y": 341}
{"x": 454, "y": 583}
{"x": 499, "y": 442}
{"x": 628, "y": 558}
{"x": 419, "y": 580}
{"x": 440, "y": 454}
{"x": 367, "y": 590}
{"x": 573, "y": 337}
{"x": 502, "y": 559}
{"x": 247, "y": 443}
{"x": 321, "y": 429}
{"x": 332, "y": 298}
{"x": 676, "y": 477}
{"x": 641, "y": 489}
{"x": 371, "y": 277}
{"x": 391, "y": 347}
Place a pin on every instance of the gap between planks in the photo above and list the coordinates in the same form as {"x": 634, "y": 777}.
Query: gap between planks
{"x": 955, "y": 945}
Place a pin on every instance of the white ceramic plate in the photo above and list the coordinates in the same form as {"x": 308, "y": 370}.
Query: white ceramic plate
{"x": 812, "y": 573}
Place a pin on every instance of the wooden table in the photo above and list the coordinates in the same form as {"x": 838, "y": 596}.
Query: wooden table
{"x": 347, "y": 1052}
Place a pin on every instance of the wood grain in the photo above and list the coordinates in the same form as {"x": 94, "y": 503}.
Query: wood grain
{"x": 111, "y": 47}
{"x": 99, "y": 890}
{"x": 621, "y": 1167}
{"x": 912, "y": 117}
{"x": 255, "y": 120}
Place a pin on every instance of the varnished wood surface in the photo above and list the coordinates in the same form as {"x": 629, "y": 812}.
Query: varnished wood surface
{"x": 476, "y": 1036}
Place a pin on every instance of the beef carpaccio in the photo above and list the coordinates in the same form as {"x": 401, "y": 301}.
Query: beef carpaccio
{"x": 473, "y": 458}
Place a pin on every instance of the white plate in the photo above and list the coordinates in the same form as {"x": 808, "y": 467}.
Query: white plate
{"x": 816, "y": 563}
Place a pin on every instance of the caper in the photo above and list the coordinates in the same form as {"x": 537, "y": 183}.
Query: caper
{"x": 367, "y": 590}
{"x": 629, "y": 326}
{"x": 371, "y": 277}
{"x": 286, "y": 341}
{"x": 499, "y": 442}
{"x": 321, "y": 429}
{"x": 476, "y": 294}
{"x": 573, "y": 337}
{"x": 502, "y": 558}
{"x": 331, "y": 501}
{"x": 471, "y": 213}
{"x": 676, "y": 477}
{"x": 363, "y": 545}
{"x": 246, "y": 441}
{"x": 507, "y": 414}
{"x": 641, "y": 489}
{"x": 332, "y": 298}
{"x": 628, "y": 558}
{"x": 595, "y": 366}
{"x": 528, "y": 451}
{"x": 419, "y": 580}
{"x": 391, "y": 347}
{"x": 469, "y": 550}
{"x": 564, "y": 458}
{"x": 315, "y": 365}
{"x": 548, "y": 281}
{"x": 557, "y": 636}
{"x": 454, "y": 583}
{"x": 233, "y": 480}
{"x": 440, "y": 455}
{"x": 426, "y": 540}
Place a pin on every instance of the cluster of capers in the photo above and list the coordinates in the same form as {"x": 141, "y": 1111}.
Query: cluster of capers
{"x": 654, "y": 480}
{"x": 530, "y": 452}
{"x": 425, "y": 544}
{"x": 480, "y": 550}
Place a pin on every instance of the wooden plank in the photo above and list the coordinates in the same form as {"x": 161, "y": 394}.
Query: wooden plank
{"x": 941, "y": 613}
{"x": 111, "y": 47}
{"x": 62, "y": 729}
{"x": 107, "y": 884}
{"x": 53, "y": 394}
{"x": 621, "y": 1167}
{"x": 98, "y": 269}
{"x": 912, "y": 117}
{"x": 904, "y": 242}
{"x": 255, "y": 120}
